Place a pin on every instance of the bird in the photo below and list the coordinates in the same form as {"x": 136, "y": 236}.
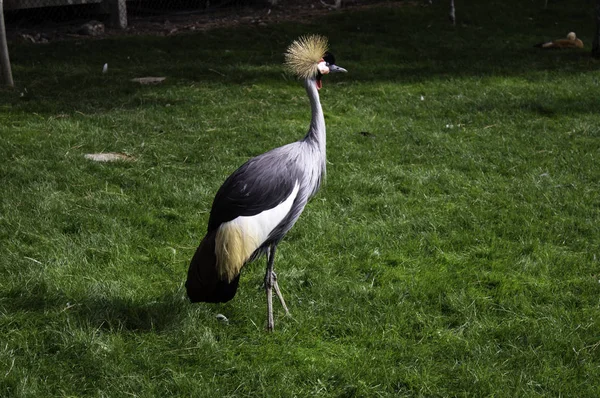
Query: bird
{"x": 262, "y": 200}
{"x": 570, "y": 42}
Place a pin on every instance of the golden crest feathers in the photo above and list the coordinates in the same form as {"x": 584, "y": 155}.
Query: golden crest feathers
{"x": 304, "y": 54}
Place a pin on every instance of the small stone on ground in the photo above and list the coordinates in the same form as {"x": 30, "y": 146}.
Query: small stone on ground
{"x": 109, "y": 157}
{"x": 148, "y": 80}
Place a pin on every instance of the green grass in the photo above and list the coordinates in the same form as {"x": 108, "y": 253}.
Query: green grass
{"x": 452, "y": 252}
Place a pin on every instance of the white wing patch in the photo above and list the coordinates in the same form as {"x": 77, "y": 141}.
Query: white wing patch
{"x": 237, "y": 239}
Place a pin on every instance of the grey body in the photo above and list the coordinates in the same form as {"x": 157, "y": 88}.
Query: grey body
{"x": 267, "y": 180}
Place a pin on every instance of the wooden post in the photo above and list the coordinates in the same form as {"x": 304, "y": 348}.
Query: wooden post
{"x": 7, "y": 78}
{"x": 118, "y": 13}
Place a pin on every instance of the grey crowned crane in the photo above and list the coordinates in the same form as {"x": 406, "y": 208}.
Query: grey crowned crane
{"x": 262, "y": 200}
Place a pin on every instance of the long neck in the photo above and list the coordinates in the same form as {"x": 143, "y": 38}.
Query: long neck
{"x": 316, "y": 131}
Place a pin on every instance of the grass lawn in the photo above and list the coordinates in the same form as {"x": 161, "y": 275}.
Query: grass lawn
{"x": 452, "y": 252}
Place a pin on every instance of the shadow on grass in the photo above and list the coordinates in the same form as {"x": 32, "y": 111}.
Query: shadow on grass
{"x": 406, "y": 44}
{"x": 110, "y": 313}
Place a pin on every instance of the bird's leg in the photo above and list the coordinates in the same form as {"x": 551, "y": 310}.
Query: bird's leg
{"x": 275, "y": 285}
{"x": 268, "y": 288}
{"x": 279, "y": 295}
{"x": 270, "y": 284}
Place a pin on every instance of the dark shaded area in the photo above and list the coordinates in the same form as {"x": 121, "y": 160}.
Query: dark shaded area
{"x": 102, "y": 312}
{"x": 153, "y": 7}
{"x": 395, "y": 44}
{"x": 596, "y": 40}
{"x": 144, "y": 14}
{"x": 49, "y": 15}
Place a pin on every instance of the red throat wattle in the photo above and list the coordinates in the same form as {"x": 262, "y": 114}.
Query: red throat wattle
{"x": 319, "y": 82}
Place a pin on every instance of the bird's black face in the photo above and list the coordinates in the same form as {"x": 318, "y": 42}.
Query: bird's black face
{"x": 327, "y": 65}
{"x": 329, "y": 59}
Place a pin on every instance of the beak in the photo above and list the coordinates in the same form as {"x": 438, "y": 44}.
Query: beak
{"x": 334, "y": 68}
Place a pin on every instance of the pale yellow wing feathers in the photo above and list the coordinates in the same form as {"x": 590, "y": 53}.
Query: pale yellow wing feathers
{"x": 237, "y": 239}
{"x": 235, "y": 244}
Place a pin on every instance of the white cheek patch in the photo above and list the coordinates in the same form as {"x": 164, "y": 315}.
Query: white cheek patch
{"x": 323, "y": 67}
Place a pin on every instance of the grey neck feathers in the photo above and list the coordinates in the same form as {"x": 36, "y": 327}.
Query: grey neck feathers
{"x": 316, "y": 132}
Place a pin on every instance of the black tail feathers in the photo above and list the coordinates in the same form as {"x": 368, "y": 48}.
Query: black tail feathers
{"x": 222, "y": 292}
{"x": 203, "y": 283}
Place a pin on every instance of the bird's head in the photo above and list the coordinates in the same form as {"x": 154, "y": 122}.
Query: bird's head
{"x": 327, "y": 65}
{"x": 308, "y": 58}
{"x": 571, "y": 36}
